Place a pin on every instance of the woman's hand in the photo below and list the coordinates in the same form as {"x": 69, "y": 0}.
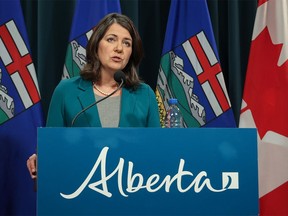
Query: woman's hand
{"x": 32, "y": 166}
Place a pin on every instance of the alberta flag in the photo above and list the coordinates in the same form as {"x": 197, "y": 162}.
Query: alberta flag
{"x": 190, "y": 69}
{"x": 20, "y": 112}
{"x": 265, "y": 103}
{"x": 87, "y": 14}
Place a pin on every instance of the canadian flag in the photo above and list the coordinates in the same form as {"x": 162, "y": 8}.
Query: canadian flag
{"x": 265, "y": 103}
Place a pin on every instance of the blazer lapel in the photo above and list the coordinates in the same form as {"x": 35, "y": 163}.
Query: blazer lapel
{"x": 86, "y": 98}
{"x": 127, "y": 106}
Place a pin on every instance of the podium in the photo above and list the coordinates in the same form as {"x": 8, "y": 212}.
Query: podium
{"x": 147, "y": 171}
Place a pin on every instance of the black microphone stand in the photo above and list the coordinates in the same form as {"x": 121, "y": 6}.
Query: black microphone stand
{"x": 86, "y": 108}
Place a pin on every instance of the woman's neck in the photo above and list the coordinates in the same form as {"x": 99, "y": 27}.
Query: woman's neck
{"x": 106, "y": 85}
{"x": 107, "y": 79}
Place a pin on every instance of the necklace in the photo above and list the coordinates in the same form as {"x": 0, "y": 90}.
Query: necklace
{"x": 102, "y": 92}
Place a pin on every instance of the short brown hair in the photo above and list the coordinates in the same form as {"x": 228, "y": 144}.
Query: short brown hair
{"x": 91, "y": 70}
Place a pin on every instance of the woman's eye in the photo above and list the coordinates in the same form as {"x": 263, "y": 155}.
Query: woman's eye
{"x": 127, "y": 43}
{"x": 110, "y": 39}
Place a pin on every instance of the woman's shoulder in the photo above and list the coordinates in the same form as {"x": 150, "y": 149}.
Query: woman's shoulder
{"x": 68, "y": 85}
{"x": 71, "y": 83}
{"x": 144, "y": 88}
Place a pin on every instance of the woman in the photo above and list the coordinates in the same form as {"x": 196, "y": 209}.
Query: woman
{"x": 114, "y": 45}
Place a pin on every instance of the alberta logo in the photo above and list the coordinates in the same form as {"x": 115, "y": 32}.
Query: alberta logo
{"x": 230, "y": 180}
{"x": 135, "y": 181}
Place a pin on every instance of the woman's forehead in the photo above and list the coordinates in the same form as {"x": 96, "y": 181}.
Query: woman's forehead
{"x": 118, "y": 30}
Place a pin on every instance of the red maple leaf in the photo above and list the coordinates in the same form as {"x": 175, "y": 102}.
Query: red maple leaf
{"x": 260, "y": 2}
{"x": 266, "y": 87}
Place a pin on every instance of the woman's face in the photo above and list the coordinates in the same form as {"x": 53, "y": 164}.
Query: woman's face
{"x": 115, "y": 48}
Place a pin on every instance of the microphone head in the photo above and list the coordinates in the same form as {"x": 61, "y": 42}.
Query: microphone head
{"x": 119, "y": 77}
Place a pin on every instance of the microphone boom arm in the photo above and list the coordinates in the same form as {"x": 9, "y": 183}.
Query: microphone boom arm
{"x": 86, "y": 108}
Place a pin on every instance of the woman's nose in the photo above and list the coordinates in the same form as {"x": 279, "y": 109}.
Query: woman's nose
{"x": 118, "y": 47}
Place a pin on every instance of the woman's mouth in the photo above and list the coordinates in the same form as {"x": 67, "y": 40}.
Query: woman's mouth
{"x": 116, "y": 59}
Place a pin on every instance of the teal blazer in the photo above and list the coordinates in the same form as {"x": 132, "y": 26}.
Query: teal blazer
{"x": 138, "y": 108}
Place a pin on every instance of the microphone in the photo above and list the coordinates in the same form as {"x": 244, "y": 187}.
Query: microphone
{"x": 119, "y": 77}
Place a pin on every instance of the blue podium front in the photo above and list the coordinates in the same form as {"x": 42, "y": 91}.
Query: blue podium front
{"x": 147, "y": 171}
